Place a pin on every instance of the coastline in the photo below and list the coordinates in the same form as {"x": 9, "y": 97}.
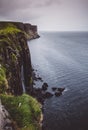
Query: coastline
{"x": 14, "y": 53}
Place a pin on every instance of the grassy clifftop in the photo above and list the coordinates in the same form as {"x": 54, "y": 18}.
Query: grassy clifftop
{"x": 9, "y": 28}
{"x": 14, "y": 54}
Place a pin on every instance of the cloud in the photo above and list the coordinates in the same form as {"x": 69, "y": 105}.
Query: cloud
{"x": 22, "y": 9}
{"x": 47, "y": 14}
{"x": 11, "y": 5}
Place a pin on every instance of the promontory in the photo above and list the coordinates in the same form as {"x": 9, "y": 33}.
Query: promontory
{"x": 18, "y": 109}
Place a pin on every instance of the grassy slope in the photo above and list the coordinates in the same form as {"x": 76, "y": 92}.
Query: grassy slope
{"x": 24, "y": 110}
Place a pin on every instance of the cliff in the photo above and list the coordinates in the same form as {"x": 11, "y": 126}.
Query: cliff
{"x": 30, "y": 30}
{"x": 14, "y": 54}
{"x": 16, "y": 72}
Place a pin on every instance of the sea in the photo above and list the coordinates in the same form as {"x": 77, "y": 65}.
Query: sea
{"x": 61, "y": 59}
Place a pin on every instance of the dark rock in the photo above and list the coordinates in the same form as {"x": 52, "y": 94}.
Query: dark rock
{"x": 41, "y": 95}
{"x": 39, "y": 78}
{"x": 36, "y": 92}
{"x": 44, "y": 86}
{"x": 57, "y": 94}
{"x": 54, "y": 88}
{"x": 32, "y": 69}
{"x": 47, "y": 95}
{"x": 34, "y": 83}
{"x": 61, "y": 89}
{"x": 41, "y": 100}
{"x": 5, "y": 119}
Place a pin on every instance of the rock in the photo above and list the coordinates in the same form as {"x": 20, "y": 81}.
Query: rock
{"x": 34, "y": 83}
{"x": 61, "y": 89}
{"x": 39, "y": 78}
{"x": 44, "y": 86}
{"x": 41, "y": 100}
{"x": 57, "y": 94}
{"x": 54, "y": 88}
{"x": 34, "y": 76}
{"x": 47, "y": 95}
{"x": 36, "y": 92}
{"x": 5, "y": 119}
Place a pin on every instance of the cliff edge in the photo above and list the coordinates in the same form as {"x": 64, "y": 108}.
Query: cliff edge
{"x": 16, "y": 75}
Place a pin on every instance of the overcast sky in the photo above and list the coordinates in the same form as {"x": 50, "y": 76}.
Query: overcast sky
{"x": 49, "y": 15}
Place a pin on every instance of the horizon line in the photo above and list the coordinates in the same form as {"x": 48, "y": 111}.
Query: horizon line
{"x": 62, "y": 30}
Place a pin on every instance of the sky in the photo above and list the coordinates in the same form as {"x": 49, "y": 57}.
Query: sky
{"x": 48, "y": 15}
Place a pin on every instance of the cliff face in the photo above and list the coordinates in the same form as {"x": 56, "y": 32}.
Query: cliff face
{"x": 16, "y": 78}
{"x": 15, "y": 57}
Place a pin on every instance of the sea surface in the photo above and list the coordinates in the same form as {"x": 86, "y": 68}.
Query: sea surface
{"x": 61, "y": 59}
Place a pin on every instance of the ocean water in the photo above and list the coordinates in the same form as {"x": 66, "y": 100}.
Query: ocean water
{"x": 61, "y": 59}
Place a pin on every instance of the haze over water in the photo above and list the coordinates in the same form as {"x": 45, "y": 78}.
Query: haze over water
{"x": 62, "y": 61}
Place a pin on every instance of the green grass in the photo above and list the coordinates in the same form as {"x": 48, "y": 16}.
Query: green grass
{"x": 24, "y": 109}
{"x": 8, "y": 29}
{"x": 3, "y": 80}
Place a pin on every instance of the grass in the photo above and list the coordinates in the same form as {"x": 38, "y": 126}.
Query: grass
{"x": 8, "y": 29}
{"x": 24, "y": 109}
{"x": 3, "y": 80}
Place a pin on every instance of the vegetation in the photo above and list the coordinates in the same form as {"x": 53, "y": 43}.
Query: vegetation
{"x": 24, "y": 109}
{"x": 3, "y": 80}
{"x": 9, "y": 29}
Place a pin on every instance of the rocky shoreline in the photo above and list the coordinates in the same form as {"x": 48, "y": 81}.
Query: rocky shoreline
{"x": 42, "y": 93}
{"x": 23, "y": 102}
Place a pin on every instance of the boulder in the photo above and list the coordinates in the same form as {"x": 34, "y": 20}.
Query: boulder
{"x": 57, "y": 94}
{"x": 54, "y": 88}
{"x": 39, "y": 78}
{"x": 44, "y": 86}
{"x": 47, "y": 95}
{"x": 61, "y": 89}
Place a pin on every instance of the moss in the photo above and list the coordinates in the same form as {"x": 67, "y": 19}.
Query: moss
{"x": 11, "y": 30}
{"x": 13, "y": 57}
{"x": 6, "y": 24}
{"x": 7, "y": 39}
{"x": 3, "y": 80}
{"x": 24, "y": 109}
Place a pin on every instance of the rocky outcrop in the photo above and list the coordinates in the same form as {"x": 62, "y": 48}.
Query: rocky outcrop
{"x": 5, "y": 119}
{"x": 14, "y": 53}
{"x": 15, "y": 76}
